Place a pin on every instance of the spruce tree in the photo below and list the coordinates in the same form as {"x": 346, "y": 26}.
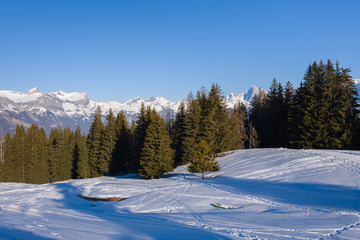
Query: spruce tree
{"x": 239, "y": 121}
{"x": 41, "y": 163}
{"x": 81, "y": 167}
{"x": 259, "y": 116}
{"x": 179, "y": 130}
{"x": 123, "y": 151}
{"x": 156, "y": 154}
{"x": 191, "y": 130}
{"x": 20, "y": 162}
{"x": 7, "y": 166}
{"x": 107, "y": 145}
{"x": 142, "y": 123}
{"x": 324, "y": 110}
{"x": 31, "y": 153}
{"x": 94, "y": 143}
{"x": 223, "y": 126}
{"x": 203, "y": 160}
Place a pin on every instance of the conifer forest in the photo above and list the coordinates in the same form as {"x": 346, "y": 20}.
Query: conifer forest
{"x": 321, "y": 113}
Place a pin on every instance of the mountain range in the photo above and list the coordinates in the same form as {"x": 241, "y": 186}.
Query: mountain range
{"x": 60, "y": 109}
{"x": 54, "y": 109}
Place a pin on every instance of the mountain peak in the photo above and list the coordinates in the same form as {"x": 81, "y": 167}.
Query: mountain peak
{"x": 35, "y": 89}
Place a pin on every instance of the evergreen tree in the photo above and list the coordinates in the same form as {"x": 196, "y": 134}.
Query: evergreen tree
{"x": 324, "y": 111}
{"x": 7, "y": 172}
{"x": 94, "y": 143}
{"x": 123, "y": 152}
{"x": 20, "y": 163}
{"x": 203, "y": 160}
{"x": 239, "y": 120}
{"x": 288, "y": 101}
{"x": 41, "y": 163}
{"x": 179, "y": 130}
{"x": 191, "y": 130}
{"x": 259, "y": 117}
{"x": 81, "y": 167}
{"x": 156, "y": 155}
{"x": 223, "y": 127}
{"x": 31, "y": 153}
{"x": 142, "y": 123}
{"x": 108, "y": 141}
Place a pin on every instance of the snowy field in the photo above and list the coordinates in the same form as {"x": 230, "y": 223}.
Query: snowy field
{"x": 263, "y": 194}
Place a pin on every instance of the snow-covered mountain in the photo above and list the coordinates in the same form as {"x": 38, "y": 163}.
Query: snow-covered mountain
{"x": 62, "y": 109}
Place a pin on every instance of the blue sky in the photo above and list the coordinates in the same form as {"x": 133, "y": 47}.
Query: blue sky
{"x": 119, "y": 49}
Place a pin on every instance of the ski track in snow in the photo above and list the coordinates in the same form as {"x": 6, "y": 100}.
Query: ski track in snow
{"x": 273, "y": 193}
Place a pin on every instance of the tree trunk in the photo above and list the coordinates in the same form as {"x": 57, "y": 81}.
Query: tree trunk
{"x": 202, "y": 175}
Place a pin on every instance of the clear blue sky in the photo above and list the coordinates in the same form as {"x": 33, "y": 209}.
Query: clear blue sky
{"x": 119, "y": 49}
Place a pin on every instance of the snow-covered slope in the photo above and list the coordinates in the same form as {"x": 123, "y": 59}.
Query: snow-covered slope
{"x": 265, "y": 194}
{"x": 55, "y": 109}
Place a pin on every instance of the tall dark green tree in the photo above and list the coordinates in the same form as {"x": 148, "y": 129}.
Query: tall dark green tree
{"x": 123, "y": 156}
{"x": 81, "y": 167}
{"x": 239, "y": 123}
{"x": 324, "y": 111}
{"x": 107, "y": 145}
{"x": 94, "y": 143}
{"x": 156, "y": 154}
{"x": 7, "y": 169}
{"x": 20, "y": 163}
{"x": 178, "y": 134}
{"x": 259, "y": 117}
{"x": 191, "y": 130}
{"x": 142, "y": 123}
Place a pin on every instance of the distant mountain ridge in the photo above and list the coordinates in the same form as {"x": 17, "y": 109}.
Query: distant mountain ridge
{"x": 54, "y": 109}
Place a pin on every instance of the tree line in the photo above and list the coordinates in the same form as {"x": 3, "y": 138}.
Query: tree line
{"x": 150, "y": 146}
{"x": 321, "y": 113}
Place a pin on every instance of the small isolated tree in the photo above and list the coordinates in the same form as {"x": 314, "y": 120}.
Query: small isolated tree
{"x": 203, "y": 160}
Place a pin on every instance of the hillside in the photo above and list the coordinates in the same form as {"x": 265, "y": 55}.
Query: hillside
{"x": 266, "y": 194}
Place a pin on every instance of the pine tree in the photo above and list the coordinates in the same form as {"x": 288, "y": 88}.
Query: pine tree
{"x": 142, "y": 123}
{"x": 7, "y": 166}
{"x": 288, "y": 101}
{"x": 223, "y": 127}
{"x": 31, "y": 153}
{"x": 41, "y": 164}
{"x": 107, "y": 145}
{"x": 259, "y": 116}
{"x": 94, "y": 143}
{"x": 20, "y": 162}
{"x": 67, "y": 161}
{"x": 239, "y": 121}
{"x": 179, "y": 130}
{"x": 156, "y": 154}
{"x": 123, "y": 151}
{"x": 81, "y": 167}
{"x": 191, "y": 130}
{"x": 254, "y": 140}
{"x": 203, "y": 160}
{"x": 324, "y": 110}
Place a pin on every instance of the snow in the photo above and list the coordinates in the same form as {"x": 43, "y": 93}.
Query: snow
{"x": 22, "y": 97}
{"x": 71, "y": 97}
{"x": 271, "y": 193}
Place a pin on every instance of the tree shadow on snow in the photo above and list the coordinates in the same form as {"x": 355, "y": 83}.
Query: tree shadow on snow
{"x": 303, "y": 194}
{"x": 129, "y": 225}
{"x": 11, "y": 233}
